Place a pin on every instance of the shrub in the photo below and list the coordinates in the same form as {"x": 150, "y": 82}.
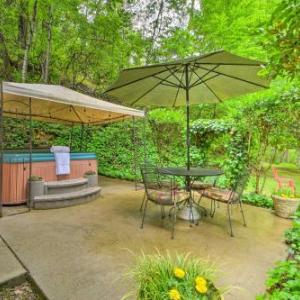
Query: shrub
{"x": 257, "y": 200}
{"x": 284, "y": 280}
{"x": 181, "y": 277}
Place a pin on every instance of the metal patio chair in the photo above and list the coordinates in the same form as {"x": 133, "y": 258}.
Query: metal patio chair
{"x": 157, "y": 181}
{"x": 163, "y": 193}
{"x": 229, "y": 197}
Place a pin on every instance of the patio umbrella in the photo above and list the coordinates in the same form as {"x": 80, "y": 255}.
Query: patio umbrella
{"x": 209, "y": 78}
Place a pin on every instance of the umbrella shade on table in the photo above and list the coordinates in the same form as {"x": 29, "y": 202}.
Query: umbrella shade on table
{"x": 210, "y": 78}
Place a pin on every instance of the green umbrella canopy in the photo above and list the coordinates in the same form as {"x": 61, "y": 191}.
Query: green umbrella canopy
{"x": 209, "y": 78}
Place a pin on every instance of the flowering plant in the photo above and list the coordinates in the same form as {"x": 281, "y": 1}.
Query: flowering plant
{"x": 286, "y": 193}
{"x": 179, "y": 277}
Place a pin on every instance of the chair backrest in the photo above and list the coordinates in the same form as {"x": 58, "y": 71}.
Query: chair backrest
{"x": 150, "y": 176}
{"x": 241, "y": 183}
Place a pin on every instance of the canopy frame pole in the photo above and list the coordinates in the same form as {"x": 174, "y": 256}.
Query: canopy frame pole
{"x": 87, "y": 132}
{"x": 30, "y": 154}
{"x": 81, "y": 136}
{"x": 71, "y": 136}
{"x": 134, "y": 153}
{"x": 145, "y": 135}
{"x": 1, "y": 148}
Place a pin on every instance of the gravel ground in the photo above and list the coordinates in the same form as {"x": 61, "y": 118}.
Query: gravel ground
{"x": 23, "y": 291}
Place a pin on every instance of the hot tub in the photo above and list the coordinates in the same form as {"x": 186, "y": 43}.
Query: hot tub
{"x": 16, "y": 172}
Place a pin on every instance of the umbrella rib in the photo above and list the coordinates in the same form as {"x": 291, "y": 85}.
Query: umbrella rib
{"x": 173, "y": 73}
{"x": 136, "y": 80}
{"x": 164, "y": 80}
{"x": 201, "y": 78}
{"x": 212, "y": 91}
{"x": 220, "y": 100}
{"x": 200, "y": 82}
{"x": 150, "y": 90}
{"x": 177, "y": 93}
{"x": 237, "y": 78}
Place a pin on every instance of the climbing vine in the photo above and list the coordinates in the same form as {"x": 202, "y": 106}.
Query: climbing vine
{"x": 205, "y": 131}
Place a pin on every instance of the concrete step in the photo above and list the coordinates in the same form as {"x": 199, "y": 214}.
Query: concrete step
{"x": 65, "y": 186}
{"x": 66, "y": 199}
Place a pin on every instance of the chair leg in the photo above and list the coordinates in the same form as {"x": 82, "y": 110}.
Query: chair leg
{"x": 201, "y": 195}
{"x": 144, "y": 213}
{"x": 212, "y": 208}
{"x": 141, "y": 208}
{"x": 162, "y": 209}
{"x": 174, "y": 222}
{"x": 242, "y": 211}
{"x": 229, "y": 217}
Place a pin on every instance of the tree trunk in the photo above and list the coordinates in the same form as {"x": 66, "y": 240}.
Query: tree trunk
{"x": 156, "y": 31}
{"x": 29, "y": 39}
{"x": 48, "y": 50}
{"x": 271, "y": 162}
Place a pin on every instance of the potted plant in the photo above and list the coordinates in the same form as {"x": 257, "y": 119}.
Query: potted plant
{"x": 36, "y": 186}
{"x": 176, "y": 277}
{"x": 92, "y": 178}
{"x": 286, "y": 202}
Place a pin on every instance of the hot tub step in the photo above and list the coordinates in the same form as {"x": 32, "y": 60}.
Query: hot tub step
{"x": 65, "y": 186}
{"x": 66, "y": 199}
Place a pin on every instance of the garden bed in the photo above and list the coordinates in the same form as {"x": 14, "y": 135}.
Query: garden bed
{"x": 22, "y": 291}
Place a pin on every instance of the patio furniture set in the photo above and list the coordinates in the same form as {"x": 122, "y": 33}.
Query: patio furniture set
{"x": 182, "y": 202}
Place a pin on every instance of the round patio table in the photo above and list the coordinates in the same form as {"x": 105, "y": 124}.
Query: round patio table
{"x": 192, "y": 172}
{"x": 189, "y": 210}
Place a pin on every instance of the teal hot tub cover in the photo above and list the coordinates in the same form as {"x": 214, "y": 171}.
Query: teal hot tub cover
{"x": 12, "y": 158}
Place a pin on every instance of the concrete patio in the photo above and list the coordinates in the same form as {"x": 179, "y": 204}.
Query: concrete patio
{"x": 82, "y": 252}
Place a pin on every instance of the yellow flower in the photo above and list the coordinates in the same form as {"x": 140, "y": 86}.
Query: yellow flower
{"x": 201, "y": 288}
{"x": 179, "y": 273}
{"x": 174, "y": 294}
{"x": 200, "y": 280}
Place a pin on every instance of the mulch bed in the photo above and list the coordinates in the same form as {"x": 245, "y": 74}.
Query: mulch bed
{"x": 24, "y": 291}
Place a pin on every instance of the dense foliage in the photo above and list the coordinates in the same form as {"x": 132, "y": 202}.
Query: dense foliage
{"x": 84, "y": 45}
{"x": 284, "y": 280}
{"x": 273, "y": 125}
{"x": 283, "y": 41}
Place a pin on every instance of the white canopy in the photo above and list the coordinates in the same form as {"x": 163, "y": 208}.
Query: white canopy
{"x": 57, "y": 103}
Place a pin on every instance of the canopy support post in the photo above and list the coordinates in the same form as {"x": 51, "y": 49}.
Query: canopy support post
{"x": 145, "y": 134}
{"x": 1, "y": 148}
{"x": 71, "y": 136}
{"x": 30, "y": 153}
{"x": 81, "y": 136}
{"x": 134, "y": 153}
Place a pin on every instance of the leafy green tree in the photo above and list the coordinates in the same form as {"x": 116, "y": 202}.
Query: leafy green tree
{"x": 283, "y": 39}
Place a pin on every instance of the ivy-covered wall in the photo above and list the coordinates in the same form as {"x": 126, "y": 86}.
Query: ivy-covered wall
{"x": 121, "y": 147}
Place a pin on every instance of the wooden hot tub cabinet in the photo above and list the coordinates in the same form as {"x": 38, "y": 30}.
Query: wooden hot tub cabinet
{"x": 16, "y": 172}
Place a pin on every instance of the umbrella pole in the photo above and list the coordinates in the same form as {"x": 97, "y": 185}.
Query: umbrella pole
{"x": 187, "y": 93}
